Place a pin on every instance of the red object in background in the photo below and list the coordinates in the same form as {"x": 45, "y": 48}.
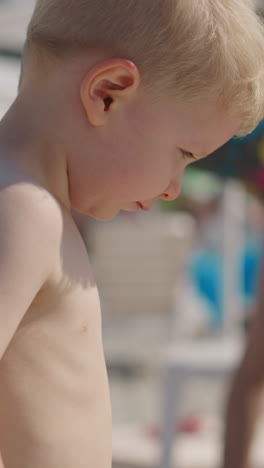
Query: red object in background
{"x": 190, "y": 425}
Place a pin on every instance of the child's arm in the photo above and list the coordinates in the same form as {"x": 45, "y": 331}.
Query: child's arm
{"x": 30, "y": 226}
{"x": 29, "y": 240}
{"x": 244, "y": 402}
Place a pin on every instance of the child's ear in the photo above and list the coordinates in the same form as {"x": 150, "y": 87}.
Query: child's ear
{"x": 106, "y": 87}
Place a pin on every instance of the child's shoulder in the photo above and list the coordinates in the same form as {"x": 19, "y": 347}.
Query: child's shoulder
{"x": 26, "y": 202}
{"x": 30, "y": 236}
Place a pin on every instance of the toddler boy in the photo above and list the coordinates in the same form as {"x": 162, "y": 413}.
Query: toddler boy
{"x": 116, "y": 97}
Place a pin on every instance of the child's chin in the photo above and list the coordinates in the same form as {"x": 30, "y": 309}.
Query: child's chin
{"x": 103, "y": 215}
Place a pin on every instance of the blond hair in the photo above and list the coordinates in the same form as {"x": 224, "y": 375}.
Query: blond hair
{"x": 192, "y": 49}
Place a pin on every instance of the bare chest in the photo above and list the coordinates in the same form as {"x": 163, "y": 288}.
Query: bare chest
{"x": 54, "y": 380}
{"x": 65, "y": 317}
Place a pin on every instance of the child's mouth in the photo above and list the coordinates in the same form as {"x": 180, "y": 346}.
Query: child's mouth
{"x": 142, "y": 207}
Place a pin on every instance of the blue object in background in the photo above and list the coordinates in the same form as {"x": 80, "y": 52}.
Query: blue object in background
{"x": 249, "y": 265}
{"x": 205, "y": 270}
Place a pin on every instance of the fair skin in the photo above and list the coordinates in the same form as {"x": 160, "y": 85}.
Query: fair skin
{"x": 88, "y": 138}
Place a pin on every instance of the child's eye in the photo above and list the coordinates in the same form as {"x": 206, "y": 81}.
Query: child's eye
{"x": 187, "y": 155}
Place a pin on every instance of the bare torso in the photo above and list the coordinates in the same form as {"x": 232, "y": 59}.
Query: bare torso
{"x": 54, "y": 397}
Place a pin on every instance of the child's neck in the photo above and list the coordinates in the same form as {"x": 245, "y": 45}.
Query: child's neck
{"x": 26, "y": 145}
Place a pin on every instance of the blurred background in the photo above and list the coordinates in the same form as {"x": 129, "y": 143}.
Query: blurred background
{"x": 178, "y": 287}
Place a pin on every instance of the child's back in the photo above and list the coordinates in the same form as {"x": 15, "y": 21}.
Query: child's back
{"x": 115, "y": 99}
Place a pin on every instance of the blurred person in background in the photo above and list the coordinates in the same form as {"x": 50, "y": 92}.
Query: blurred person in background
{"x": 245, "y": 398}
{"x": 244, "y": 402}
{"x": 202, "y": 287}
{"x": 243, "y": 159}
{"x": 202, "y": 198}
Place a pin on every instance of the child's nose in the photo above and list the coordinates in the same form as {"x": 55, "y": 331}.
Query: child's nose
{"x": 172, "y": 192}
